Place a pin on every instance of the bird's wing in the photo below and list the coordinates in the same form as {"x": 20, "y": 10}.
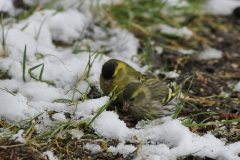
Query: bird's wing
{"x": 159, "y": 90}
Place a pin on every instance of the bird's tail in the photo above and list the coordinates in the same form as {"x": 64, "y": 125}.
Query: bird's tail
{"x": 175, "y": 86}
{"x": 182, "y": 79}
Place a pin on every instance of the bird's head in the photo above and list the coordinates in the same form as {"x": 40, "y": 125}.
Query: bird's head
{"x": 113, "y": 70}
{"x": 108, "y": 71}
{"x": 135, "y": 93}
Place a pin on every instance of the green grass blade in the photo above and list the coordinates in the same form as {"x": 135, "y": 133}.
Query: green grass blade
{"x": 58, "y": 100}
{"x": 24, "y": 27}
{"x": 8, "y": 91}
{"x": 44, "y": 135}
{"x": 91, "y": 135}
{"x": 30, "y": 119}
{"x": 205, "y": 120}
{"x": 75, "y": 108}
{"x": 39, "y": 30}
{"x": 212, "y": 123}
{"x": 81, "y": 122}
{"x": 55, "y": 131}
{"x": 194, "y": 115}
{"x": 40, "y": 76}
{"x": 24, "y": 62}
{"x": 3, "y": 36}
{"x": 187, "y": 155}
{"x": 103, "y": 53}
{"x": 149, "y": 116}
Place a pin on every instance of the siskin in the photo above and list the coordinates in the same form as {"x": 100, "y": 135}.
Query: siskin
{"x": 118, "y": 73}
{"x": 154, "y": 98}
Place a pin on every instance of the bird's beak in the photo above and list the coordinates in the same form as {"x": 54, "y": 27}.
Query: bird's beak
{"x": 107, "y": 83}
{"x": 126, "y": 105}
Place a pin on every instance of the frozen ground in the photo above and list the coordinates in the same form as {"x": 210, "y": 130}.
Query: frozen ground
{"x": 170, "y": 137}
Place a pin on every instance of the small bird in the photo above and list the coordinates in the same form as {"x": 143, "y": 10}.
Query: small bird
{"x": 118, "y": 73}
{"x": 155, "y": 98}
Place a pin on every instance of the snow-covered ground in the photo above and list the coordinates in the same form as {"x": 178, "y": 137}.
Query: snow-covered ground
{"x": 168, "y": 138}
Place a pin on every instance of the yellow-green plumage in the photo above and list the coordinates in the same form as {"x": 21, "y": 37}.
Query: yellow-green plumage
{"x": 118, "y": 73}
{"x": 155, "y": 98}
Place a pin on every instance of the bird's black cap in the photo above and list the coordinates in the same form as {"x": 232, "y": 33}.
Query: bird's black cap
{"x": 108, "y": 69}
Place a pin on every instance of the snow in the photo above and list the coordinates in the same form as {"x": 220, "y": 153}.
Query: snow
{"x": 121, "y": 148}
{"x": 95, "y": 148}
{"x": 160, "y": 151}
{"x": 91, "y": 106}
{"x": 103, "y": 123}
{"x": 177, "y": 3}
{"x": 162, "y": 139}
{"x": 7, "y": 6}
{"x": 182, "y": 32}
{"x": 210, "y": 53}
{"x": 18, "y": 137}
{"x": 14, "y": 108}
{"x": 237, "y": 87}
{"x": 222, "y": 7}
{"x": 159, "y": 50}
{"x": 184, "y": 51}
{"x": 49, "y": 155}
{"x": 76, "y": 133}
{"x": 123, "y": 43}
{"x": 59, "y": 117}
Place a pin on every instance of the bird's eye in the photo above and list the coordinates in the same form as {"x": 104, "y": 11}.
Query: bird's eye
{"x": 132, "y": 99}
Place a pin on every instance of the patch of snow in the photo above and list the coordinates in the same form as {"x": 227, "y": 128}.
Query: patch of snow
{"x": 184, "y": 51}
{"x": 210, "y": 53}
{"x": 59, "y": 117}
{"x": 182, "y": 32}
{"x": 8, "y": 7}
{"x": 123, "y": 42}
{"x": 76, "y": 133}
{"x": 105, "y": 120}
{"x": 18, "y": 137}
{"x": 122, "y": 149}
{"x": 49, "y": 155}
{"x": 14, "y": 108}
{"x": 159, "y": 50}
{"x": 237, "y": 87}
{"x": 221, "y": 7}
{"x": 177, "y": 3}
{"x": 95, "y": 148}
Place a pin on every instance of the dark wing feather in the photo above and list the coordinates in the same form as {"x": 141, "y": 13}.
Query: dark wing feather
{"x": 159, "y": 90}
